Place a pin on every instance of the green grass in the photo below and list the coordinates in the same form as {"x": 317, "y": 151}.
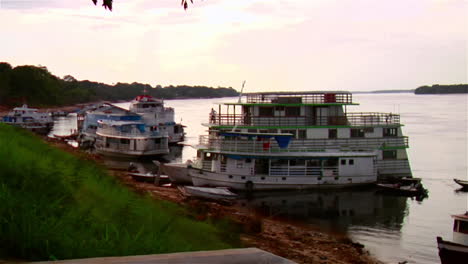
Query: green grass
{"x": 56, "y": 206}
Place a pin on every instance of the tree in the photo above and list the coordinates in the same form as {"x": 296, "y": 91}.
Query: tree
{"x": 107, "y": 4}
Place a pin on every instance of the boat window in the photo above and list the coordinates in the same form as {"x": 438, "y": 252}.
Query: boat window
{"x": 455, "y": 225}
{"x": 463, "y": 227}
{"x": 390, "y": 132}
{"x": 357, "y": 133}
{"x": 250, "y": 130}
{"x": 297, "y": 162}
{"x": 265, "y": 111}
{"x": 279, "y": 108}
{"x": 351, "y": 162}
{"x": 293, "y": 111}
{"x": 331, "y": 162}
{"x": 272, "y": 130}
{"x": 313, "y": 163}
{"x": 332, "y": 133}
{"x": 389, "y": 154}
{"x": 301, "y": 134}
{"x": 343, "y": 162}
{"x": 157, "y": 140}
{"x": 279, "y": 162}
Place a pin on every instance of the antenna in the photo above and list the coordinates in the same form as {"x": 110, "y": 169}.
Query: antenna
{"x": 242, "y": 89}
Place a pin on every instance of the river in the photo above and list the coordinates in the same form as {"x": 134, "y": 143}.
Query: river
{"x": 392, "y": 228}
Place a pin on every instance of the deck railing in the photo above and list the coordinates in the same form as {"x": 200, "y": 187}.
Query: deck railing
{"x": 297, "y": 145}
{"x": 350, "y": 119}
{"x": 304, "y": 98}
{"x": 132, "y": 133}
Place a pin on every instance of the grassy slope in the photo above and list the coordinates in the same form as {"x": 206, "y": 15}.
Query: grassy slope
{"x": 53, "y": 205}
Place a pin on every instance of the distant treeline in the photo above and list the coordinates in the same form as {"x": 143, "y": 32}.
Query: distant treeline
{"x": 36, "y": 86}
{"x": 442, "y": 89}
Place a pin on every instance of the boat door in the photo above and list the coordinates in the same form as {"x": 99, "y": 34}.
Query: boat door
{"x": 321, "y": 116}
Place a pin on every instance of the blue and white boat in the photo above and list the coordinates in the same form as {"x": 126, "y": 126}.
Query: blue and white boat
{"x": 130, "y": 139}
{"x": 30, "y": 118}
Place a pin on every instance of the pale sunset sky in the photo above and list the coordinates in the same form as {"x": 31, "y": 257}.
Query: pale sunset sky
{"x": 276, "y": 45}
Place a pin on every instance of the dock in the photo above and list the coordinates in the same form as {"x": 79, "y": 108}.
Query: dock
{"x": 226, "y": 256}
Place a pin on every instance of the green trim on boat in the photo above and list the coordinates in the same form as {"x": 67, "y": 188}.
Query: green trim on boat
{"x": 275, "y": 104}
{"x": 393, "y": 147}
{"x": 299, "y": 127}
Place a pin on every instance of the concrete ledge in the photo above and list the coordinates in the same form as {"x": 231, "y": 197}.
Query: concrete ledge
{"x": 227, "y": 256}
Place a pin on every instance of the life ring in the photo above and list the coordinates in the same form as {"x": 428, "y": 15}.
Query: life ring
{"x": 249, "y": 186}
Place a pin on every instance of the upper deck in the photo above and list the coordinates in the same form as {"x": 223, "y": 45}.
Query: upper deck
{"x": 301, "y": 98}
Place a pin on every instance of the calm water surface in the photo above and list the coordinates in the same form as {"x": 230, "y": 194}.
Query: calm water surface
{"x": 392, "y": 228}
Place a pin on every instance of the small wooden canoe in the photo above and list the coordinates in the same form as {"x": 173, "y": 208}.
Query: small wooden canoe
{"x": 409, "y": 190}
{"x": 148, "y": 177}
{"x": 463, "y": 183}
{"x": 218, "y": 193}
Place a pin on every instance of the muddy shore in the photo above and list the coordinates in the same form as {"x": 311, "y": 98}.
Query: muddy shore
{"x": 294, "y": 241}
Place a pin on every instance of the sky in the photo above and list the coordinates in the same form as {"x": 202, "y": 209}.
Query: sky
{"x": 275, "y": 45}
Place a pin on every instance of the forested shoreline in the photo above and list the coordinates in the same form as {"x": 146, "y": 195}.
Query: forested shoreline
{"x": 442, "y": 89}
{"x": 36, "y": 86}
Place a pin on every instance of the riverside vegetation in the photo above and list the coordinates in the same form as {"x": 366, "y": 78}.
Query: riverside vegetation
{"x": 58, "y": 206}
{"x": 38, "y": 87}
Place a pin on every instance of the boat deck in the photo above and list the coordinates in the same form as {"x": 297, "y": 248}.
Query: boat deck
{"x": 227, "y": 256}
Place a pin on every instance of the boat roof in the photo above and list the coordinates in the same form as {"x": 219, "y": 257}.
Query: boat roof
{"x": 146, "y": 98}
{"x": 298, "y": 93}
{"x": 24, "y": 108}
{"x": 463, "y": 217}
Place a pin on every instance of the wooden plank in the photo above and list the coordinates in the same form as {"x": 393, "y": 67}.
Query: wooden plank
{"x": 227, "y": 256}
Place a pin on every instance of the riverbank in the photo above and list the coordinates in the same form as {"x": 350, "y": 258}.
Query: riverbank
{"x": 290, "y": 240}
{"x": 65, "y": 205}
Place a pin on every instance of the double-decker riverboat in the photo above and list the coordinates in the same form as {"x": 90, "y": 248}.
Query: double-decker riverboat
{"x": 130, "y": 139}
{"x": 154, "y": 113}
{"x": 30, "y": 118}
{"x": 279, "y": 140}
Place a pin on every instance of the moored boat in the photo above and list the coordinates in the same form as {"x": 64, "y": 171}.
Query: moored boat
{"x": 218, "y": 193}
{"x": 129, "y": 139}
{"x": 177, "y": 172}
{"x": 456, "y": 251}
{"x": 298, "y": 140}
{"x": 154, "y": 113}
{"x": 462, "y": 183}
{"x": 29, "y": 118}
{"x": 149, "y": 177}
{"x": 407, "y": 190}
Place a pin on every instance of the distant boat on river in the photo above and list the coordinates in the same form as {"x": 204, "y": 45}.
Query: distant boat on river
{"x": 464, "y": 184}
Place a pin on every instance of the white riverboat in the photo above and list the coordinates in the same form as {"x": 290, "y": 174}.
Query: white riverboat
{"x": 130, "y": 139}
{"x": 154, "y": 113}
{"x": 284, "y": 140}
{"x": 456, "y": 251}
{"x": 29, "y": 118}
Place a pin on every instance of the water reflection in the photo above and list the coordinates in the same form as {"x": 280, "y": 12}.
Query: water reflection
{"x": 335, "y": 210}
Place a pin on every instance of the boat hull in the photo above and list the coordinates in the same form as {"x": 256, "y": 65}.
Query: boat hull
{"x": 452, "y": 253}
{"x": 250, "y": 183}
{"x": 130, "y": 154}
{"x": 177, "y": 172}
{"x": 463, "y": 184}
